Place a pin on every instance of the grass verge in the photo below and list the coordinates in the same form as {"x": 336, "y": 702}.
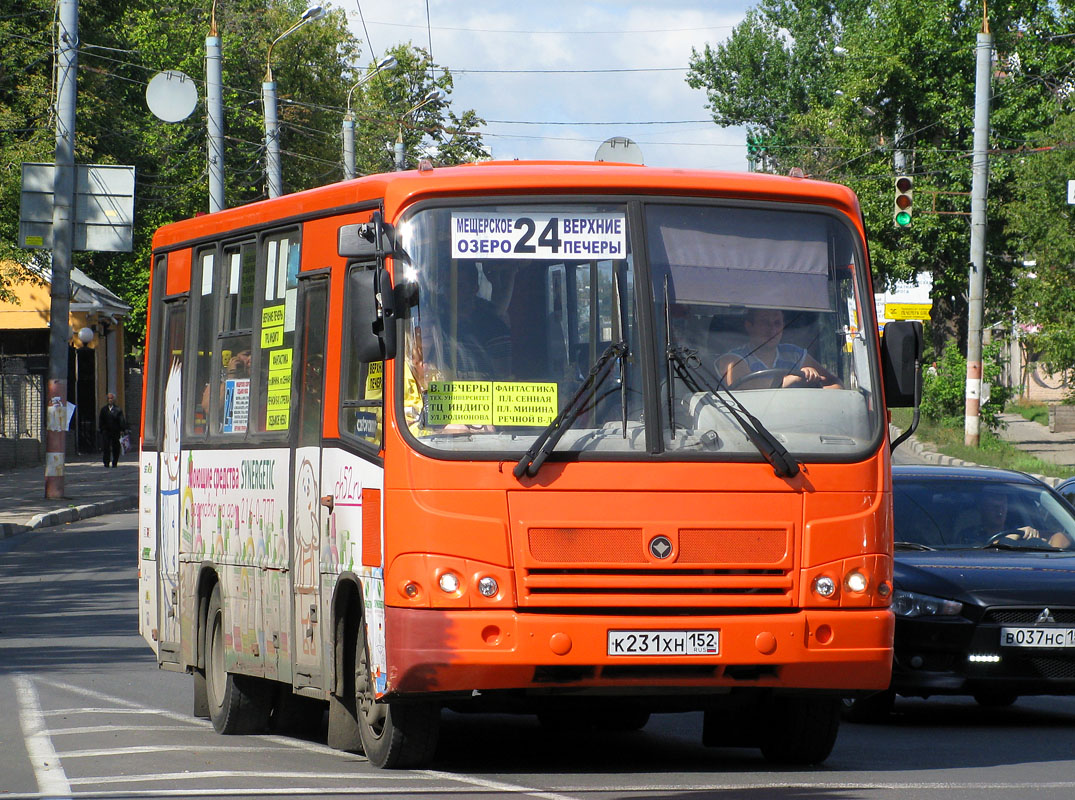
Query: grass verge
{"x": 1035, "y": 412}
{"x": 992, "y": 452}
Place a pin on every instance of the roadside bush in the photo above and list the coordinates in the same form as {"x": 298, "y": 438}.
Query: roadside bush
{"x": 944, "y": 388}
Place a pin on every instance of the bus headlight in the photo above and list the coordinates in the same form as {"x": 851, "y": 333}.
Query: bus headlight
{"x": 448, "y": 582}
{"x": 856, "y": 582}
{"x": 825, "y": 586}
{"x": 488, "y": 586}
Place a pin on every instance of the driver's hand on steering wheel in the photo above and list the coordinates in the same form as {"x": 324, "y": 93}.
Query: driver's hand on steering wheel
{"x": 803, "y": 377}
{"x": 1023, "y": 532}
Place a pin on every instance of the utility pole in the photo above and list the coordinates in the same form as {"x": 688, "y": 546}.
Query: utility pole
{"x": 979, "y": 191}
{"x": 62, "y": 247}
{"x": 214, "y": 102}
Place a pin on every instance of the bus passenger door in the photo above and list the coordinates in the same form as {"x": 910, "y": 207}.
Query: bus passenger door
{"x": 170, "y": 424}
{"x": 307, "y": 529}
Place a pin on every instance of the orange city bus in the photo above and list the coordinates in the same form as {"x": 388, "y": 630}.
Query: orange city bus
{"x": 514, "y": 437}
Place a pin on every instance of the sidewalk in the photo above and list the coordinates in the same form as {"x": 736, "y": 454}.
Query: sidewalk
{"x": 89, "y": 489}
{"x": 1030, "y": 437}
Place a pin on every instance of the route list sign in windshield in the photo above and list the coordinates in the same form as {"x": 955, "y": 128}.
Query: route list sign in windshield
{"x": 539, "y": 235}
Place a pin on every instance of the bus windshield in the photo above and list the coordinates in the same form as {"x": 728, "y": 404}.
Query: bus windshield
{"x": 755, "y": 313}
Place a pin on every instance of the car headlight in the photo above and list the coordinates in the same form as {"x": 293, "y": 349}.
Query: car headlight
{"x": 912, "y": 604}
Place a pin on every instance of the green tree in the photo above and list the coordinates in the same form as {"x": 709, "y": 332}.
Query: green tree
{"x": 1044, "y": 224}
{"x": 385, "y": 110}
{"x": 846, "y": 89}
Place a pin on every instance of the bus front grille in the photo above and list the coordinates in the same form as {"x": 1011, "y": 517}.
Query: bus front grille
{"x": 623, "y": 567}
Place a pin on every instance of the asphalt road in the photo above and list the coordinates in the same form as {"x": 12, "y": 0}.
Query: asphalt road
{"x": 85, "y": 713}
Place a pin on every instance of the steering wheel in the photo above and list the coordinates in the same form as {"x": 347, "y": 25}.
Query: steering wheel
{"x": 1017, "y": 532}
{"x": 768, "y": 378}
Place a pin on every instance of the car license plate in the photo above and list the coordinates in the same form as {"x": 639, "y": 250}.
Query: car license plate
{"x": 1037, "y": 637}
{"x": 663, "y": 643}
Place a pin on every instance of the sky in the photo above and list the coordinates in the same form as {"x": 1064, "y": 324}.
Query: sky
{"x": 551, "y": 104}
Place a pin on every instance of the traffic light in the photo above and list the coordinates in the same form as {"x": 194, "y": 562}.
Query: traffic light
{"x": 901, "y": 213}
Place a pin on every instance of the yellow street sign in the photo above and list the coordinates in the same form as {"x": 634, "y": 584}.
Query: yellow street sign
{"x": 907, "y": 310}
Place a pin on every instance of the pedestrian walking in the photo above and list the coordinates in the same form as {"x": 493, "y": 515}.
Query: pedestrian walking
{"x": 112, "y": 424}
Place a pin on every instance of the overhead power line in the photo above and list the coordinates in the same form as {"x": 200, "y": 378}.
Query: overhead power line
{"x": 646, "y": 31}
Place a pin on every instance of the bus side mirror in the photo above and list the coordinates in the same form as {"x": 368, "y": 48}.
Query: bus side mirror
{"x": 373, "y": 314}
{"x": 364, "y": 239}
{"x": 901, "y": 363}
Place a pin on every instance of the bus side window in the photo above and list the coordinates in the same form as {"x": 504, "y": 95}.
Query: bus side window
{"x": 205, "y": 330}
{"x": 362, "y": 387}
{"x": 230, "y": 402}
{"x": 276, "y": 331}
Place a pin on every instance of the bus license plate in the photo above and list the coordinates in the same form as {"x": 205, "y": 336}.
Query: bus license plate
{"x": 663, "y": 643}
{"x": 1037, "y": 637}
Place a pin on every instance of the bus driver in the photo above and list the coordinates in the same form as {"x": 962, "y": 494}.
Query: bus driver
{"x": 764, "y": 352}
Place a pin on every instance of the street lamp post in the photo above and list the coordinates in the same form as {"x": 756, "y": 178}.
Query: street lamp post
{"x": 214, "y": 104}
{"x": 349, "y": 119}
{"x": 273, "y": 177}
{"x": 435, "y": 95}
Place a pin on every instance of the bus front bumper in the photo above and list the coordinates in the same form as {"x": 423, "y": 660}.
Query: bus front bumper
{"x": 433, "y": 650}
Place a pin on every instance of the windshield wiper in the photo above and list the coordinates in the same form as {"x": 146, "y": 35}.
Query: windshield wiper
{"x": 684, "y": 364}
{"x": 688, "y": 369}
{"x": 531, "y": 462}
{"x": 913, "y": 546}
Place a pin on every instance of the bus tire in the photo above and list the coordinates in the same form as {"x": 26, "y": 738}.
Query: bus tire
{"x": 394, "y": 735}
{"x": 238, "y": 704}
{"x": 871, "y": 708}
{"x": 800, "y": 730}
{"x": 201, "y": 694}
{"x": 624, "y": 719}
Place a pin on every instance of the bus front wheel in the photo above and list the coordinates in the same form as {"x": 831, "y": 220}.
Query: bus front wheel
{"x": 800, "y": 730}
{"x": 394, "y": 735}
{"x": 237, "y": 703}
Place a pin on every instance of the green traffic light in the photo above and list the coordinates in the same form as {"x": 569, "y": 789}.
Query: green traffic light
{"x": 903, "y": 218}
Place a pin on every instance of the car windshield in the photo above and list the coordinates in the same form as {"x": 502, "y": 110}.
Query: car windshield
{"x": 511, "y": 307}
{"x": 961, "y": 513}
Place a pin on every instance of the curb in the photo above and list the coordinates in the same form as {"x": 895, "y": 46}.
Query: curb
{"x": 933, "y": 457}
{"x": 62, "y": 516}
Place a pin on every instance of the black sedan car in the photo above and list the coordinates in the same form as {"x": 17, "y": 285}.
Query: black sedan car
{"x": 984, "y": 587}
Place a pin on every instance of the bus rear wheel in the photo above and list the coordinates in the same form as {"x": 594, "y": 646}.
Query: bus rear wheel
{"x": 394, "y": 735}
{"x": 800, "y": 730}
{"x": 237, "y": 703}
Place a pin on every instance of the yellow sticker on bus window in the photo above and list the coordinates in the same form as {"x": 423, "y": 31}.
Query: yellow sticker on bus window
{"x": 272, "y": 337}
{"x": 277, "y": 399}
{"x": 374, "y": 380}
{"x": 519, "y": 403}
{"x": 272, "y": 316}
{"x": 280, "y": 361}
{"x": 278, "y": 420}
{"x": 459, "y": 403}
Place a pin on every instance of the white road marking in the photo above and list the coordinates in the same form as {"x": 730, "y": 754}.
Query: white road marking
{"x": 117, "y": 728}
{"x": 51, "y": 779}
{"x": 389, "y": 777}
{"x": 166, "y": 748}
{"x": 498, "y": 786}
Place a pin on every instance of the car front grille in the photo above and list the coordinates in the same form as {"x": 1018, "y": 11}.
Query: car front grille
{"x": 1054, "y": 668}
{"x": 1028, "y": 615}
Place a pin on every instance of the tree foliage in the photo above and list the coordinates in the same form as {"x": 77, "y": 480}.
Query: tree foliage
{"x": 1044, "y": 298}
{"x": 860, "y": 91}
{"x": 123, "y": 44}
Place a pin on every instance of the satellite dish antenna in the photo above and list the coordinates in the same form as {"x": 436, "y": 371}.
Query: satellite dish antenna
{"x": 171, "y": 95}
{"x": 619, "y": 149}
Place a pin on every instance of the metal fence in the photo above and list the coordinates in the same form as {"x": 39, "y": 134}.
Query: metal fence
{"x": 22, "y": 417}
